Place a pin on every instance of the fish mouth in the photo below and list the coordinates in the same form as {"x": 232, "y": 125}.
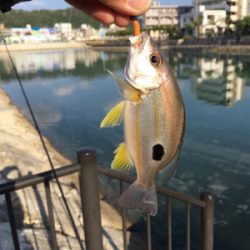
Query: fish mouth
{"x": 138, "y": 42}
{"x": 135, "y": 73}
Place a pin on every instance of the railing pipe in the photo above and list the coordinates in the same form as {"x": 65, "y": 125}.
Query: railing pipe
{"x": 163, "y": 191}
{"x": 124, "y": 219}
{"x": 169, "y": 218}
{"x": 52, "y": 235}
{"x": 149, "y": 239}
{"x": 32, "y": 180}
{"x": 12, "y": 221}
{"x": 90, "y": 199}
{"x": 207, "y": 221}
{"x": 188, "y": 225}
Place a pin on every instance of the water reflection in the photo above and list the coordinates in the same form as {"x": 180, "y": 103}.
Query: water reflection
{"x": 215, "y": 79}
{"x": 72, "y": 62}
{"x": 70, "y": 92}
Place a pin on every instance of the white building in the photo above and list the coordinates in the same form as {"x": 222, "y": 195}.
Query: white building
{"x": 65, "y": 31}
{"x": 159, "y": 15}
{"x": 216, "y": 15}
{"x": 213, "y": 21}
{"x": 235, "y": 9}
{"x": 32, "y": 35}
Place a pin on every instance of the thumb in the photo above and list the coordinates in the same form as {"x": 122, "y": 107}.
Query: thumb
{"x": 128, "y": 7}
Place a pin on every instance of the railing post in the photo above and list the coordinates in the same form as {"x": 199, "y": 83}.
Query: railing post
{"x": 207, "y": 221}
{"x": 90, "y": 199}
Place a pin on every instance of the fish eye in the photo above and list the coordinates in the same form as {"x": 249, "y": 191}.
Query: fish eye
{"x": 155, "y": 59}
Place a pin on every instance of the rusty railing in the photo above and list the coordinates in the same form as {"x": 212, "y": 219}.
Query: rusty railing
{"x": 88, "y": 176}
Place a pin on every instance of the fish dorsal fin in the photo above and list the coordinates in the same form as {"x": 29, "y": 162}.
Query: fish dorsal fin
{"x": 114, "y": 116}
{"x": 169, "y": 171}
{"x": 122, "y": 161}
{"x": 126, "y": 90}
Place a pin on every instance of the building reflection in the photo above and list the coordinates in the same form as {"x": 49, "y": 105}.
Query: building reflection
{"x": 54, "y": 61}
{"x": 85, "y": 62}
{"x": 214, "y": 79}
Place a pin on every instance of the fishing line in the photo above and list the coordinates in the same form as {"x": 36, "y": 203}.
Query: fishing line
{"x": 71, "y": 130}
{"x": 42, "y": 141}
{"x": 70, "y": 13}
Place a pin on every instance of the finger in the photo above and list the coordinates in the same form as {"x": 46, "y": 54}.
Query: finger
{"x": 122, "y": 20}
{"x": 128, "y": 7}
{"x": 95, "y": 9}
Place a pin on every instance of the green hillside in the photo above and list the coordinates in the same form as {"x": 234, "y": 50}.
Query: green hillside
{"x": 46, "y": 18}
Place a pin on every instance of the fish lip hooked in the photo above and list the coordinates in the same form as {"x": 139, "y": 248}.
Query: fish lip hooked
{"x": 138, "y": 44}
{"x": 139, "y": 41}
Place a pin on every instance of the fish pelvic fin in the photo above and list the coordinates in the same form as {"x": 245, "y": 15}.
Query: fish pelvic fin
{"x": 126, "y": 89}
{"x": 139, "y": 197}
{"x": 122, "y": 161}
{"x": 114, "y": 116}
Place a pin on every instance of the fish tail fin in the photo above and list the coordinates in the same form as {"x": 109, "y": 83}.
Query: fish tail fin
{"x": 139, "y": 197}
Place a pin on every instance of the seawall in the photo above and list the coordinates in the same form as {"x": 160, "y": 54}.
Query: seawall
{"x": 42, "y": 46}
{"x": 21, "y": 154}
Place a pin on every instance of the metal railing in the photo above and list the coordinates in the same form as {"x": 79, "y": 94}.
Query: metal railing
{"x": 88, "y": 171}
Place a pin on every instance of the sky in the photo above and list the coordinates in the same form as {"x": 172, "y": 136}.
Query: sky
{"x": 61, "y": 4}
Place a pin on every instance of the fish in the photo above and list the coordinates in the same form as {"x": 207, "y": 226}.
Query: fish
{"x": 154, "y": 120}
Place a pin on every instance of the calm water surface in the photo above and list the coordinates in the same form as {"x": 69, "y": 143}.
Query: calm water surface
{"x": 70, "y": 93}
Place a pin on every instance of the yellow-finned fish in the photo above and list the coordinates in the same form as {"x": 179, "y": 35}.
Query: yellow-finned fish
{"x": 154, "y": 118}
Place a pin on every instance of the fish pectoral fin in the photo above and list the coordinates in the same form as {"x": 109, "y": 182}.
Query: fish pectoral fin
{"x": 114, "y": 116}
{"x": 126, "y": 90}
{"x": 122, "y": 161}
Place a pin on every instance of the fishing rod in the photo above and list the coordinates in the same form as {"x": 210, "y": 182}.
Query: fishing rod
{"x": 42, "y": 141}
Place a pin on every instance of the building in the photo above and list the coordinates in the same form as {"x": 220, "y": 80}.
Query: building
{"x": 235, "y": 9}
{"x": 5, "y": 32}
{"x": 159, "y": 15}
{"x": 214, "y": 16}
{"x": 30, "y": 34}
{"x": 64, "y": 30}
{"x": 203, "y": 22}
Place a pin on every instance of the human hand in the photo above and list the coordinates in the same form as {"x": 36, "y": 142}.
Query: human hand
{"x": 112, "y": 11}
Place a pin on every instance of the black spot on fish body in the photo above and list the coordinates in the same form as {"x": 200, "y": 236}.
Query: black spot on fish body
{"x": 158, "y": 152}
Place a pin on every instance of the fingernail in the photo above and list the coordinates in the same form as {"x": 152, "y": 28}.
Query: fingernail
{"x": 139, "y": 4}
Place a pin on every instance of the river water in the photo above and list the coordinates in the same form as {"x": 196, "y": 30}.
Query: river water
{"x": 70, "y": 92}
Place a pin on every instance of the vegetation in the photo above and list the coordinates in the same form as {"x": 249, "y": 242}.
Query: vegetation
{"x": 197, "y": 24}
{"x": 171, "y": 30}
{"x": 126, "y": 32}
{"x": 46, "y": 18}
{"x": 243, "y": 26}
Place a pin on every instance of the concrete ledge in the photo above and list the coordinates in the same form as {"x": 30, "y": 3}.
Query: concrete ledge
{"x": 42, "y": 46}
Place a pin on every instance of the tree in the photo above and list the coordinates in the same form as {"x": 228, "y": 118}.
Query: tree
{"x": 197, "y": 24}
{"x": 171, "y": 30}
{"x": 189, "y": 28}
{"x": 46, "y": 18}
{"x": 243, "y": 26}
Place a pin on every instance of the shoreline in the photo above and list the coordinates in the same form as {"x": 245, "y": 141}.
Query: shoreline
{"x": 42, "y": 46}
{"x": 216, "y": 49}
{"x": 21, "y": 154}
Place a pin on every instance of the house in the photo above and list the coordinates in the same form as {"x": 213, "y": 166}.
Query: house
{"x": 159, "y": 15}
